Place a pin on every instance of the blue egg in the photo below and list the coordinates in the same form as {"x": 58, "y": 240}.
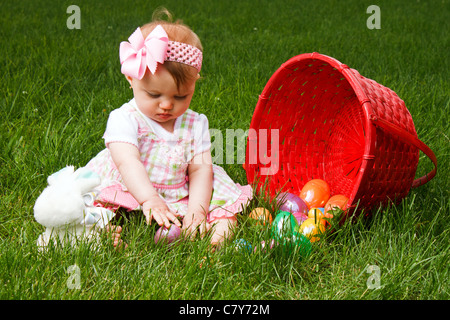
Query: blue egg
{"x": 242, "y": 245}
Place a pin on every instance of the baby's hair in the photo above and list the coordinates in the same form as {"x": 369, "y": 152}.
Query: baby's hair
{"x": 177, "y": 31}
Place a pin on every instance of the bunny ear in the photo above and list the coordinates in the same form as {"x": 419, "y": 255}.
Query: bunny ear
{"x": 86, "y": 180}
{"x": 61, "y": 174}
{"x": 85, "y": 173}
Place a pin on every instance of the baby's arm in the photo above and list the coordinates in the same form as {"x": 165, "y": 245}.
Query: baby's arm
{"x": 200, "y": 190}
{"x": 126, "y": 157}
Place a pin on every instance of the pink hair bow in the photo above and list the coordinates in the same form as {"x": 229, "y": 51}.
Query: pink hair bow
{"x": 136, "y": 54}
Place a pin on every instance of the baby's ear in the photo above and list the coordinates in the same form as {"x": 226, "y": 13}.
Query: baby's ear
{"x": 130, "y": 80}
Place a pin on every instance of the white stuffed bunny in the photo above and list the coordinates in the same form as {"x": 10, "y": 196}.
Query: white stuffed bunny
{"x": 65, "y": 207}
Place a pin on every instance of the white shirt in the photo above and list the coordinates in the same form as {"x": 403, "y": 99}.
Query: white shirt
{"x": 122, "y": 127}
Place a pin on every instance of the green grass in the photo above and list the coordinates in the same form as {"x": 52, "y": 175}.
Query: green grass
{"x": 59, "y": 85}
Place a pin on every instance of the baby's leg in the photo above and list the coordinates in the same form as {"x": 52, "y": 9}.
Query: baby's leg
{"x": 222, "y": 229}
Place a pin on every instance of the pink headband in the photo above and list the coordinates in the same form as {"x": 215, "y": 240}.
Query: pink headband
{"x": 136, "y": 54}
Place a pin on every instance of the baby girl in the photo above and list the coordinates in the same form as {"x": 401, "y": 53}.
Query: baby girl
{"x": 157, "y": 155}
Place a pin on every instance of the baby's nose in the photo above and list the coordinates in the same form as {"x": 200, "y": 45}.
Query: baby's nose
{"x": 166, "y": 104}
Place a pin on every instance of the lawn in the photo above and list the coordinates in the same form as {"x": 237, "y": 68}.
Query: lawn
{"x": 59, "y": 85}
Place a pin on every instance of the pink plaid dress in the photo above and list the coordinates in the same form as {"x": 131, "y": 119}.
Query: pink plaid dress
{"x": 166, "y": 161}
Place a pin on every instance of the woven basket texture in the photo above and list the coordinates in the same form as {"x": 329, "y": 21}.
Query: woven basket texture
{"x": 329, "y": 120}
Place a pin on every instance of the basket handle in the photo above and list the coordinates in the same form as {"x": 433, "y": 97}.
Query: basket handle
{"x": 411, "y": 140}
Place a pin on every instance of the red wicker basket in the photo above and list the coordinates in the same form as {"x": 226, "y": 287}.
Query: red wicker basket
{"x": 336, "y": 125}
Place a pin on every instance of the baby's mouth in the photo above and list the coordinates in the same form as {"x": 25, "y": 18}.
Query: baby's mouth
{"x": 164, "y": 116}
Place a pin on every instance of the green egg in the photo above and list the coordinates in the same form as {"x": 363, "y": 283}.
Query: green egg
{"x": 284, "y": 225}
{"x": 286, "y": 236}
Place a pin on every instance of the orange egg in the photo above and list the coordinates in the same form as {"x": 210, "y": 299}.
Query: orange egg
{"x": 261, "y": 214}
{"x": 315, "y": 193}
{"x": 337, "y": 201}
{"x": 312, "y": 229}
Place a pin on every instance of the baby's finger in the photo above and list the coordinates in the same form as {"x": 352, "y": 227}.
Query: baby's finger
{"x": 202, "y": 229}
{"x": 172, "y": 217}
{"x": 148, "y": 217}
{"x": 193, "y": 233}
{"x": 162, "y": 219}
{"x": 190, "y": 232}
{"x": 199, "y": 229}
{"x": 175, "y": 213}
{"x": 158, "y": 218}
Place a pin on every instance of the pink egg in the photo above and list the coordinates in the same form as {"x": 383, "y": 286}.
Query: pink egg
{"x": 291, "y": 203}
{"x": 167, "y": 235}
{"x": 300, "y": 216}
{"x": 263, "y": 246}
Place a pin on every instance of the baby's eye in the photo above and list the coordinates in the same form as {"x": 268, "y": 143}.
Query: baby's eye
{"x": 153, "y": 95}
{"x": 180, "y": 97}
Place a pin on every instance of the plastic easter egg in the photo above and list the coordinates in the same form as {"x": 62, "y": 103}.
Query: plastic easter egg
{"x": 291, "y": 203}
{"x": 261, "y": 215}
{"x": 300, "y": 216}
{"x": 167, "y": 235}
{"x": 311, "y": 229}
{"x": 315, "y": 193}
{"x": 302, "y": 244}
{"x": 295, "y": 243}
{"x": 316, "y": 213}
{"x": 337, "y": 201}
{"x": 242, "y": 246}
{"x": 264, "y": 246}
{"x": 284, "y": 225}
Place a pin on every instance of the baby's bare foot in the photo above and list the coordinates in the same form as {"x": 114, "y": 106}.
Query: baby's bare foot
{"x": 114, "y": 233}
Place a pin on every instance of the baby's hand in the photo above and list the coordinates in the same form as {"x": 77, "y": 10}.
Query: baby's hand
{"x": 156, "y": 208}
{"x": 193, "y": 223}
{"x": 223, "y": 230}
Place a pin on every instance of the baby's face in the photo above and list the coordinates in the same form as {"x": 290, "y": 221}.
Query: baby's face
{"x": 158, "y": 97}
